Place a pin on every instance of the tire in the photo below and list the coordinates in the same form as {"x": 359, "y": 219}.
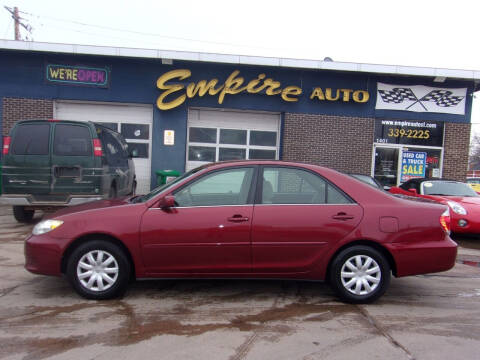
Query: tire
{"x": 105, "y": 281}
{"x": 22, "y": 215}
{"x": 112, "y": 194}
{"x": 349, "y": 279}
{"x": 134, "y": 188}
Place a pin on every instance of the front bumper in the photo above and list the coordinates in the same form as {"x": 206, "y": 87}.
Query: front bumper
{"x": 43, "y": 255}
{"x": 30, "y": 201}
{"x": 415, "y": 258}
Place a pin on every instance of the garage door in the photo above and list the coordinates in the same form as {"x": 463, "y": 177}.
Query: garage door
{"x": 134, "y": 122}
{"x": 215, "y": 135}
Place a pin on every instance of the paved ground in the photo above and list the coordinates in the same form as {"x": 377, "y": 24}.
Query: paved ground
{"x": 422, "y": 317}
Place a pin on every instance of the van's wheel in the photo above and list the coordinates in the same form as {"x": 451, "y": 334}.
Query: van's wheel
{"x": 134, "y": 188}
{"x": 98, "y": 270}
{"x": 22, "y": 215}
{"x": 112, "y": 194}
{"x": 360, "y": 274}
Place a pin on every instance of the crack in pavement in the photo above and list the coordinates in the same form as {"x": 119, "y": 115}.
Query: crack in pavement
{"x": 384, "y": 332}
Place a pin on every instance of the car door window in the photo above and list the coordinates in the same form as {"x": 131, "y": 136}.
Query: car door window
{"x": 295, "y": 186}
{"x": 225, "y": 187}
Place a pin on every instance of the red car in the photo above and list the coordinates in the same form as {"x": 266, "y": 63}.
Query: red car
{"x": 463, "y": 201}
{"x": 246, "y": 219}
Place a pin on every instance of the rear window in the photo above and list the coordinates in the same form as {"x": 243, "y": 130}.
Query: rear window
{"x": 72, "y": 140}
{"x": 31, "y": 139}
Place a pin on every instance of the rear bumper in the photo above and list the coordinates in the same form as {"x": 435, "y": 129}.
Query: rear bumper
{"x": 29, "y": 200}
{"x": 415, "y": 258}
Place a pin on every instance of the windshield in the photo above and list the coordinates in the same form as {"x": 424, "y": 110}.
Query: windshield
{"x": 164, "y": 187}
{"x": 447, "y": 188}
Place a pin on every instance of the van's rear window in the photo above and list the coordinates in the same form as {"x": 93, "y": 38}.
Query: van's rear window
{"x": 72, "y": 140}
{"x": 31, "y": 139}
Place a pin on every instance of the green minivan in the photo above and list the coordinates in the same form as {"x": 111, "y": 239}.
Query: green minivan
{"x": 55, "y": 163}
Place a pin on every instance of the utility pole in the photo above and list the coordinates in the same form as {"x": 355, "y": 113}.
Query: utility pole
{"x": 17, "y": 22}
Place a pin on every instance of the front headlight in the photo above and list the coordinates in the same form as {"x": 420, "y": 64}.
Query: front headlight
{"x": 457, "y": 208}
{"x": 46, "y": 226}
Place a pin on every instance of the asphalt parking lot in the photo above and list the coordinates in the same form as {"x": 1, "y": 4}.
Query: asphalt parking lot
{"x": 434, "y": 316}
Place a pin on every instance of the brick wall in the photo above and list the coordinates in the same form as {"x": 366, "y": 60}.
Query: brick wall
{"x": 15, "y": 109}
{"x": 456, "y": 144}
{"x": 341, "y": 143}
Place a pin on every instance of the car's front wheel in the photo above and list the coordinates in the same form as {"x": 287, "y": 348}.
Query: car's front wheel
{"x": 360, "y": 274}
{"x": 98, "y": 270}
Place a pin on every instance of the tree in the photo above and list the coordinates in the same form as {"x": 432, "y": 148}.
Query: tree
{"x": 474, "y": 155}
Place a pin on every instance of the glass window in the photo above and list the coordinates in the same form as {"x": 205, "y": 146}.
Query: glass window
{"x": 295, "y": 186}
{"x": 202, "y": 135}
{"x": 201, "y": 153}
{"x": 263, "y": 138}
{"x": 231, "y": 154}
{"x": 72, "y": 140}
{"x": 141, "y": 149}
{"x": 236, "y": 137}
{"x": 31, "y": 139}
{"x": 135, "y": 131}
{"x": 226, "y": 187}
{"x": 257, "y": 154}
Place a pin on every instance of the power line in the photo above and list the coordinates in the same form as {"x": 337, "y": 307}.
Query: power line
{"x": 145, "y": 33}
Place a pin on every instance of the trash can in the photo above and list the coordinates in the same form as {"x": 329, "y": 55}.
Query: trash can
{"x": 164, "y": 176}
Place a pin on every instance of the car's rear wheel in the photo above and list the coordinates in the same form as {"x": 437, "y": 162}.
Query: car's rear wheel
{"x": 360, "y": 274}
{"x": 22, "y": 215}
{"x": 98, "y": 270}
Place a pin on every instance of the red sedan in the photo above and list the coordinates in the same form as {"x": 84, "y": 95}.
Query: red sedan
{"x": 247, "y": 219}
{"x": 463, "y": 201}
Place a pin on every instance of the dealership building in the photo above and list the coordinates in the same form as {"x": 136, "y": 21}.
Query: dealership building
{"x": 180, "y": 110}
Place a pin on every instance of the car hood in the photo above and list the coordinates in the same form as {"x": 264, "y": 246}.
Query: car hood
{"x": 94, "y": 205}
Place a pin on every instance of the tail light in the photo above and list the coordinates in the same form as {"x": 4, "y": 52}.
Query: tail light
{"x": 97, "y": 147}
{"x": 6, "y": 144}
{"x": 445, "y": 221}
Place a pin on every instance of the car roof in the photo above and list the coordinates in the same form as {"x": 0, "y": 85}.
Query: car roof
{"x": 52, "y": 121}
{"x": 221, "y": 164}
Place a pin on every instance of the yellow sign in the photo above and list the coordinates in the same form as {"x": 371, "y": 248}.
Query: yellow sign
{"x": 236, "y": 84}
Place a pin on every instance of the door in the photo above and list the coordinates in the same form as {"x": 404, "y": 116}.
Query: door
{"x": 26, "y": 169}
{"x": 72, "y": 157}
{"x": 133, "y": 121}
{"x": 231, "y": 135}
{"x": 386, "y": 165}
{"x": 115, "y": 150}
{"x": 297, "y": 217}
{"x": 208, "y": 231}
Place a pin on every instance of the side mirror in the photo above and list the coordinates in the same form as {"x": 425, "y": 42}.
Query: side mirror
{"x": 386, "y": 187}
{"x": 413, "y": 191}
{"x": 166, "y": 202}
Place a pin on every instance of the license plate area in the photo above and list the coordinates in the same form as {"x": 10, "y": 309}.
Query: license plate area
{"x": 67, "y": 171}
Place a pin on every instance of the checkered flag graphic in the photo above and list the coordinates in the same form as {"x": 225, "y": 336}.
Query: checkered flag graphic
{"x": 442, "y": 98}
{"x": 397, "y": 95}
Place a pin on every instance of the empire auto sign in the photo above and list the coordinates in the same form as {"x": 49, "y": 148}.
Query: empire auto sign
{"x": 235, "y": 84}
